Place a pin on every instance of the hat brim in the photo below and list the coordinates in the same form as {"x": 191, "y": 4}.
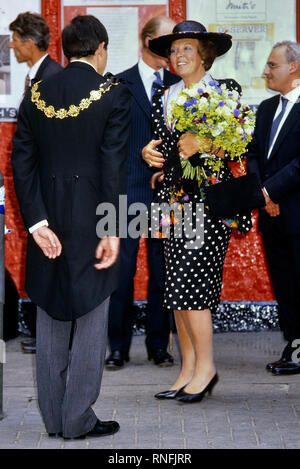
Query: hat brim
{"x": 161, "y": 45}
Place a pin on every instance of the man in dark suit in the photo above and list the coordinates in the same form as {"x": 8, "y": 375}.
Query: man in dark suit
{"x": 274, "y": 155}
{"x": 139, "y": 80}
{"x": 30, "y": 41}
{"x": 69, "y": 155}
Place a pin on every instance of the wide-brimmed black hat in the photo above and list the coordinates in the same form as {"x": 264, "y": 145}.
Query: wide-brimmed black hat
{"x": 193, "y": 29}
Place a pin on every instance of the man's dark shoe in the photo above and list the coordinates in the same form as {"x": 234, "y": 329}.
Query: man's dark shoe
{"x": 161, "y": 357}
{"x": 55, "y": 435}
{"x": 272, "y": 365}
{"x": 115, "y": 360}
{"x": 286, "y": 356}
{"x": 287, "y": 368}
{"x": 28, "y": 346}
{"x": 100, "y": 429}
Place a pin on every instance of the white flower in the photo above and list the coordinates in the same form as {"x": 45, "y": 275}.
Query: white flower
{"x": 248, "y": 129}
{"x": 231, "y": 103}
{"x": 227, "y": 111}
{"x": 218, "y": 129}
{"x": 215, "y": 132}
{"x": 202, "y": 102}
{"x": 235, "y": 95}
{"x": 181, "y": 100}
{"x": 223, "y": 111}
{"x": 192, "y": 92}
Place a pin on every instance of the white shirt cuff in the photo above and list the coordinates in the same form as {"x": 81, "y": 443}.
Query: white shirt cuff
{"x": 266, "y": 192}
{"x": 38, "y": 225}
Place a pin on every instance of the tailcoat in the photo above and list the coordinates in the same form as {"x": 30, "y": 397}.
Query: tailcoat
{"x": 64, "y": 166}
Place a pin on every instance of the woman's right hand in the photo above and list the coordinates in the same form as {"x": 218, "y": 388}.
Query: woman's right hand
{"x": 157, "y": 177}
{"x": 151, "y": 155}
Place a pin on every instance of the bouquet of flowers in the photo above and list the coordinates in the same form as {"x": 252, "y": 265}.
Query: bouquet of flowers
{"x": 218, "y": 113}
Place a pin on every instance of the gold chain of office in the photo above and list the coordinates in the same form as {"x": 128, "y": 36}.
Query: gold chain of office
{"x": 73, "y": 110}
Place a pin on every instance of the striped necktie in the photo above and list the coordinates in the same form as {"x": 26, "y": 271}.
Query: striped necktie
{"x": 157, "y": 83}
{"x": 277, "y": 121}
{"x": 27, "y": 83}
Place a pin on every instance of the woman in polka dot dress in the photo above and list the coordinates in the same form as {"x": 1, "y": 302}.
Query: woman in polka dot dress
{"x": 193, "y": 274}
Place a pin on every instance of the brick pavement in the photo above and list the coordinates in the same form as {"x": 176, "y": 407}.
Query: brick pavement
{"x": 250, "y": 407}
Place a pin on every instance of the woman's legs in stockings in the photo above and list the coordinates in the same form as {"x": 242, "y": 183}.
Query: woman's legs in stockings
{"x": 187, "y": 352}
{"x": 195, "y": 334}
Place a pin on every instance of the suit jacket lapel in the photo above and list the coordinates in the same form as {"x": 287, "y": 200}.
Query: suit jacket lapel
{"x": 291, "y": 119}
{"x": 137, "y": 88}
{"x": 40, "y": 70}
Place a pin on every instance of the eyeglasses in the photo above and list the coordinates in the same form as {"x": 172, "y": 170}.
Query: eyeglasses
{"x": 272, "y": 66}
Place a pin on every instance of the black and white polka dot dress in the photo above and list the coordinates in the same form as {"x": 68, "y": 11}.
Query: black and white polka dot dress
{"x": 193, "y": 273}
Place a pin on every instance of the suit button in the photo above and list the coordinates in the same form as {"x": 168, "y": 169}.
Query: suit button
{"x": 76, "y": 177}
{"x": 53, "y": 176}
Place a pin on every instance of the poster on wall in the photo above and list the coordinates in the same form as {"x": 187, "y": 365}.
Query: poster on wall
{"x": 12, "y": 74}
{"x": 255, "y": 26}
{"x": 123, "y": 20}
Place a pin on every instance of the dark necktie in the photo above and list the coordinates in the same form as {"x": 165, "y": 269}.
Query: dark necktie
{"x": 27, "y": 83}
{"x": 277, "y": 121}
{"x": 157, "y": 83}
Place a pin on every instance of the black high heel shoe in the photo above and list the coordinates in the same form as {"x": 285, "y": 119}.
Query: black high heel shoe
{"x": 183, "y": 396}
{"x": 171, "y": 394}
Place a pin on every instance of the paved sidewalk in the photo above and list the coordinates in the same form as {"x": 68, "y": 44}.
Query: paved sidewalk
{"x": 250, "y": 407}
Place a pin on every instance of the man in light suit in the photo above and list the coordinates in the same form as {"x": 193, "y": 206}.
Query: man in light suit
{"x": 69, "y": 155}
{"x": 274, "y": 155}
{"x": 142, "y": 82}
{"x": 30, "y": 41}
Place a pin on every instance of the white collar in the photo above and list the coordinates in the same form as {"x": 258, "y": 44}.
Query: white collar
{"x": 33, "y": 70}
{"x": 84, "y": 62}
{"x": 147, "y": 72}
{"x": 293, "y": 95}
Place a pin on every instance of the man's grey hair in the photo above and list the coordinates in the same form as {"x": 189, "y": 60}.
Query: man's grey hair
{"x": 292, "y": 51}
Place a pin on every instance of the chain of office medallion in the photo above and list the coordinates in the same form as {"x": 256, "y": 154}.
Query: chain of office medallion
{"x": 73, "y": 110}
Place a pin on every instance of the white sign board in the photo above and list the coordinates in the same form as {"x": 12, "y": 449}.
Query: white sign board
{"x": 255, "y": 26}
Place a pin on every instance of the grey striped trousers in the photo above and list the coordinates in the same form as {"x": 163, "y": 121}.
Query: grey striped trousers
{"x": 68, "y": 381}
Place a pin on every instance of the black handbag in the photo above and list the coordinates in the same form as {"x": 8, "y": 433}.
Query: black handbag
{"x": 237, "y": 195}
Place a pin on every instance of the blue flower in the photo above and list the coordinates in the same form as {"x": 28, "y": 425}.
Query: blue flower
{"x": 190, "y": 103}
{"x": 221, "y": 103}
{"x": 200, "y": 90}
{"x": 236, "y": 112}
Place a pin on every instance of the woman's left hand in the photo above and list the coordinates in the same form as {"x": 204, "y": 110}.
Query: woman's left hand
{"x": 189, "y": 144}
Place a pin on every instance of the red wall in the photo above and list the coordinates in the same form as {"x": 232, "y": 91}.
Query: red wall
{"x": 245, "y": 274}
